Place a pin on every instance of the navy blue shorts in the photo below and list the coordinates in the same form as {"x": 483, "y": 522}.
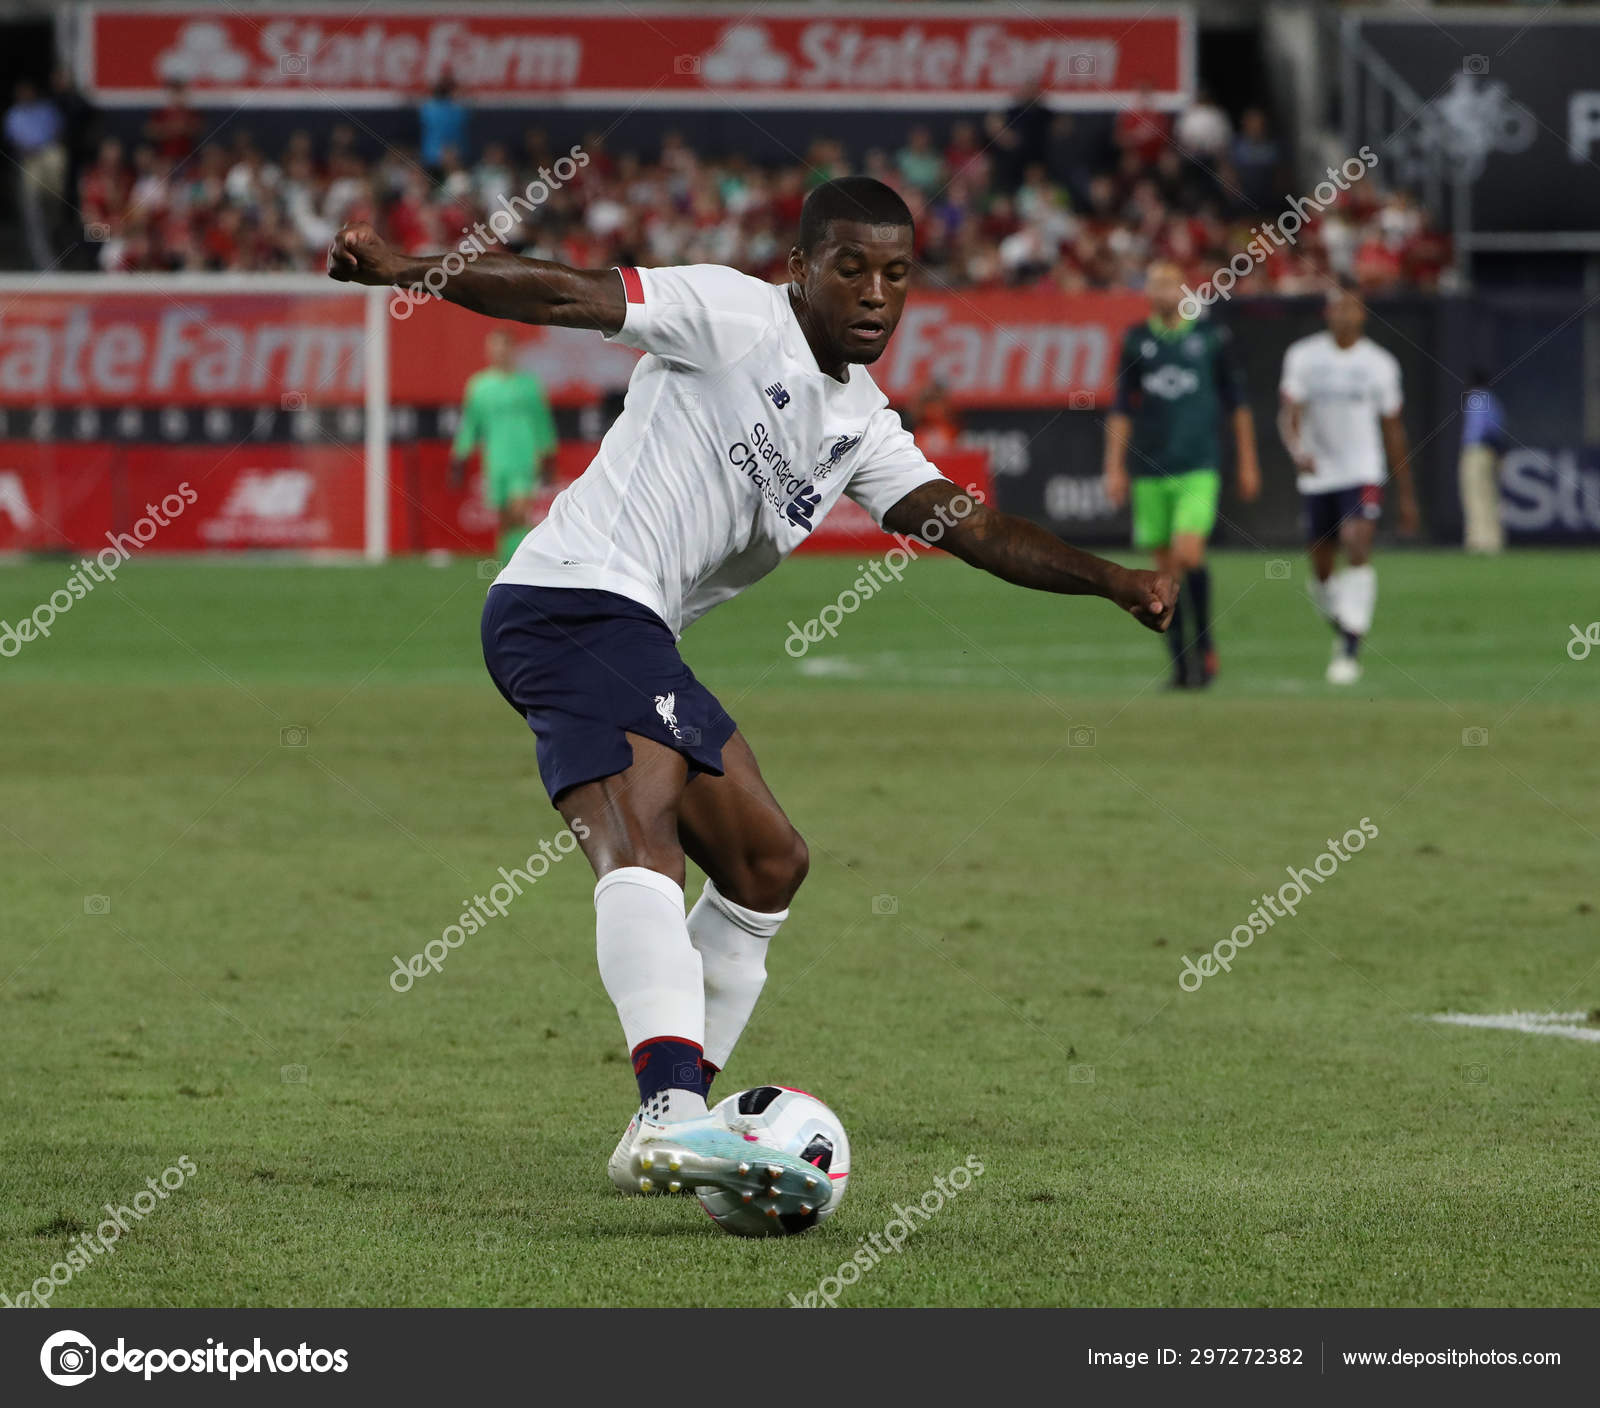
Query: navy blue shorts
{"x": 585, "y": 667}
{"x": 1325, "y": 512}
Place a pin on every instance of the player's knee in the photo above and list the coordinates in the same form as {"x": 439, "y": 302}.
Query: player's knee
{"x": 1187, "y": 554}
{"x": 770, "y": 878}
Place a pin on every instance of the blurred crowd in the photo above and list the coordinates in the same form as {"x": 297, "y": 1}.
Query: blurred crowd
{"x": 1015, "y": 198}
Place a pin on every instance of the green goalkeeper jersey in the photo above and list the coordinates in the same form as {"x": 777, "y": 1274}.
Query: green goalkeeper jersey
{"x": 1175, "y": 384}
{"x": 507, "y": 415}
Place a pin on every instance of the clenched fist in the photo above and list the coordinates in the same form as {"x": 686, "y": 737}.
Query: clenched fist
{"x": 359, "y": 255}
{"x": 1148, "y": 597}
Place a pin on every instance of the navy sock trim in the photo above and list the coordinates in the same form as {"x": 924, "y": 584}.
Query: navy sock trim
{"x": 668, "y": 1063}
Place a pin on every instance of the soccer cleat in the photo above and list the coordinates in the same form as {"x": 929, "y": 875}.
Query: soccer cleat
{"x": 704, "y": 1154}
{"x": 619, "y": 1168}
{"x": 1343, "y": 669}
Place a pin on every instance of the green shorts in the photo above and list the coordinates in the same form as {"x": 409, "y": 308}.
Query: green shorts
{"x": 501, "y": 486}
{"x": 1165, "y": 505}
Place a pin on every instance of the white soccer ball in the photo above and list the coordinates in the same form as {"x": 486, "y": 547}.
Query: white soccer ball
{"x": 797, "y": 1123}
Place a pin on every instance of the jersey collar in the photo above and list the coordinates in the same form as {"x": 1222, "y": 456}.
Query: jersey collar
{"x": 1183, "y": 328}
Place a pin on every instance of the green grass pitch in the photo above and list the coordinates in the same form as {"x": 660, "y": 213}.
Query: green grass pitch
{"x": 1016, "y": 840}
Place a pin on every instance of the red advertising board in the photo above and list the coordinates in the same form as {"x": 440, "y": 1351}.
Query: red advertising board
{"x": 908, "y": 55}
{"x": 1008, "y": 348}
{"x": 1004, "y": 348}
{"x": 77, "y": 497}
{"x": 178, "y": 346}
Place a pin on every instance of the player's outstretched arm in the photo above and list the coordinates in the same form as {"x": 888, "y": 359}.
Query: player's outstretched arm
{"x": 1025, "y": 554}
{"x": 495, "y": 284}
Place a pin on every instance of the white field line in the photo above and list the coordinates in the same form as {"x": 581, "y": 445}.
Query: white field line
{"x": 1568, "y": 1024}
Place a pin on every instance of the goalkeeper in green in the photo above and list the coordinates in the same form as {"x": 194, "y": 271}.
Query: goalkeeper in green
{"x": 505, "y": 416}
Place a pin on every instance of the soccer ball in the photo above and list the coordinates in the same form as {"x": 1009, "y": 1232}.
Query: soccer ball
{"x": 798, "y": 1124}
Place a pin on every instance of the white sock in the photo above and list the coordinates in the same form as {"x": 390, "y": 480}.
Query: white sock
{"x": 649, "y": 967}
{"x": 1356, "y": 598}
{"x": 1321, "y": 594}
{"x": 732, "y": 943}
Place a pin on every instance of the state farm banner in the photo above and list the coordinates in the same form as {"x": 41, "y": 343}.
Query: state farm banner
{"x": 1012, "y": 348}
{"x": 911, "y": 55}
{"x": 171, "y": 345}
{"x": 168, "y": 346}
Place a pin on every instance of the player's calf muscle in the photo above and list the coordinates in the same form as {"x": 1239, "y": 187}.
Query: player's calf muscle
{"x": 764, "y": 877}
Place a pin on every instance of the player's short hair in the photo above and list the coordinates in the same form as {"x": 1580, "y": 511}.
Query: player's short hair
{"x": 854, "y": 198}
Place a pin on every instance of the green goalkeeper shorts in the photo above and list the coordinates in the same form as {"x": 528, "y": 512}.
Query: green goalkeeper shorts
{"x": 1165, "y": 505}
{"x": 502, "y": 486}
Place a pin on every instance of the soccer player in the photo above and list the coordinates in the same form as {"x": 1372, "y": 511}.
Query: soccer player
{"x": 1340, "y": 416}
{"x": 1175, "y": 379}
{"x": 505, "y": 412}
{"x": 748, "y": 417}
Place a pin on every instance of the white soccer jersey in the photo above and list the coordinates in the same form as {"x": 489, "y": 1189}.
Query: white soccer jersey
{"x": 1344, "y": 391}
{"x": 732, "y": 445}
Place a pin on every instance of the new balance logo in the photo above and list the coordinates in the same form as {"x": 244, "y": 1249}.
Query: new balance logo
{"x": 780, "y": 397}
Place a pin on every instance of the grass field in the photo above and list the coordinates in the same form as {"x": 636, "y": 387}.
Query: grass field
{"x": 1016, "y": 839}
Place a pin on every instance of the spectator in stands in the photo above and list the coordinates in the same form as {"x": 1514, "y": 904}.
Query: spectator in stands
{"x": 1071, "y": 157}
{"x": 1143, "y": 130}
{"x": 80, "y": 125}
{"x": 919, "y": 162}
{"x": 1203, "y": 130}
{"x": 1029, "y": 117}
{"x": 442, "y": 124}
{"x": 1255, "y": 159}
{"x": 1086, "y": 217}
{"x": 1005, "y": 153}
{"x": 174, "y": 128}
{"x": 103, "y": 192}
{"x": 33, "y": 132}
{"x": 964, "y": 159}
